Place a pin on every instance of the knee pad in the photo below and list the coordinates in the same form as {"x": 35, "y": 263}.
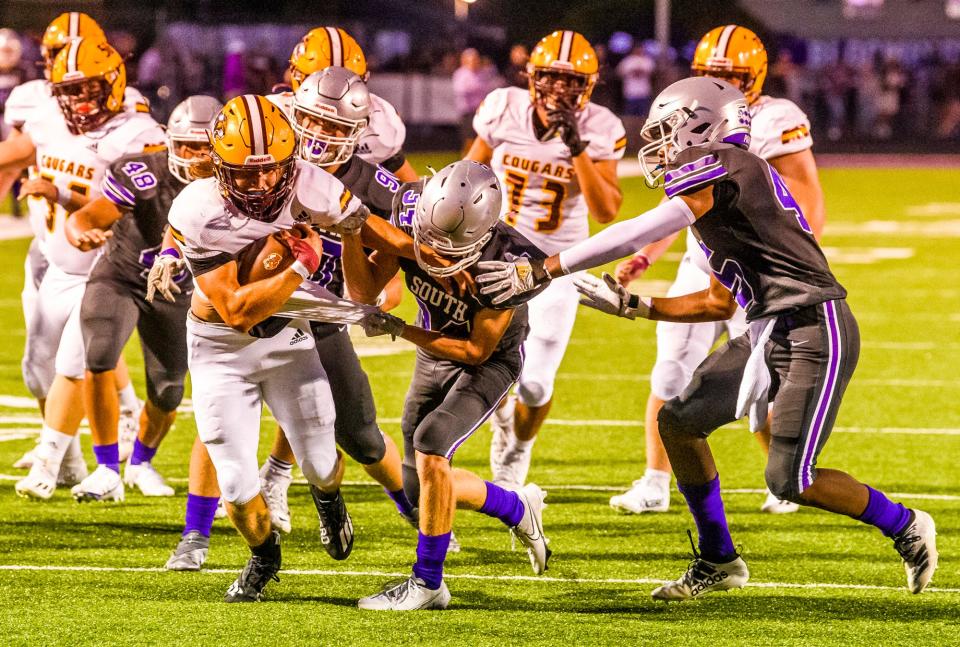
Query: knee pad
{"x": 671, "y": 423}
{"x": 165, "y": 394}
{"x": 534, "y": 392}
{"x": 669, "y": 378}
{"x": 363, "y": 443}
{"x": 437, "y": 433}
{"x": 37, "y": 379}
{"x": 411, "y": 483}
{"x": 236, "y": 485}
{"x": 321, "y": 469}
{"x": 782, "y": 475}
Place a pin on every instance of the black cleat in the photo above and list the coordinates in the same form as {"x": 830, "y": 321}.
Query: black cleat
{"x": 336, "y": 527}
{"x": 262, "y": 567}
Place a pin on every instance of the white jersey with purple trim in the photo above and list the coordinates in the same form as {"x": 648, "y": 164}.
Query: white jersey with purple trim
{"x": 541, "y": 194}
{"x": 211, "y": 230}
{"x": 778, "y": 127}
{"x": 77, "y": 163}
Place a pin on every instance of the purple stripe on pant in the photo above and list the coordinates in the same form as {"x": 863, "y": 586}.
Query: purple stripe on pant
{"x": 830, "y": 385}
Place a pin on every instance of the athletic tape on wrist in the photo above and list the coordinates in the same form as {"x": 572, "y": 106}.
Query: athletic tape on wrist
{"x": 301, "y": 269}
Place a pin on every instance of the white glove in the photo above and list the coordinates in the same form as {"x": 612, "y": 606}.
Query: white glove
{"x": 609, "y": 296}
{"x": 507, "y": 279}
{"x": 379, "y": 323}
{"x": 161, "y": 277}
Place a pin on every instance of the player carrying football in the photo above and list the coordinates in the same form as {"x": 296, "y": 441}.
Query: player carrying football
{"x": 803, "y": 341}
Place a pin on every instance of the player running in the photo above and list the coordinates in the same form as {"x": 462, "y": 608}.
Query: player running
{"x": 469, "y": 356}
{"x": 780, "y": 134}
{"x": 555, "y": 154}
{"x": 129, "y": 220}
{"x": 803, "y": 341}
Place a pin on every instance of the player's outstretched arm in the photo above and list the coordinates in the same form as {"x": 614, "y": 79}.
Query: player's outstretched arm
{"x": 17, "y": 152}
{"x": 488, "y": 327}
{"x": 365, "y": 275}
{"x": 88, "y": 227}
{"x": 713, "y": 304}
{"x": 480, "y": 151}
{"x": 600, "y": 186}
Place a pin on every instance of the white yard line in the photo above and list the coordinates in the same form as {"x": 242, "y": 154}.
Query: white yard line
{"x": 467, "y": 576}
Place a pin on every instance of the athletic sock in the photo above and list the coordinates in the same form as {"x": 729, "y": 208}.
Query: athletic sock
{"x": 108, "y": 455}
{"x": 888, "y": 517}
{"x": 521, "y": 445}
{"x": 141, "y": 453}
{"x": 706, "y": 506}
{"x": 270, "y": 549}
{"x": 73, "y": 449}
{"x": 657, "y": 476}
{"x": 200, "y": 513}
{"x": 502, "y": 504}
{"x": 431, "y": 553}
{"x": 52, "y": 448}
{"x": 400, "y": 500}
{"x": 128, "y": 398}
{"x": 278, "y": 467}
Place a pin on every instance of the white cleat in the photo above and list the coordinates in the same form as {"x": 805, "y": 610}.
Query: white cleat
{"x": 39, "y": 484}
{"x": 102, "y": 485}
{"x": 702, "y": 577}
{"x": 501, "y": 422}
{"x": 146, "y": 479}
{"x": 73, "y": 469}
{"x": 646, "y": 495}
{"x": 917, "y": 545}
{"x": 190, "y": 553}
{"x": 530, "y": 529}
{"x": 221, "y": 512}
{"x": 26, "y": 461}
{"x": 410, "y": 595}
{"x": 773, "y": 505}
{"x": 274, "y": 487}
{"x": 127, "y": 429}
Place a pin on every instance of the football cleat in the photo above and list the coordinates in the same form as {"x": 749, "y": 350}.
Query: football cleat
{"x": 413, "y": 520}
{"x": 917, "y": 545}
{"x": 25, "y": 462}
{"x": 336, "y": 527}
{"x": 190, "y": 553}
{"x": 646, "y": 495}
{"x": 773, "y": 505}
{"x": 258, "y": 572}
{"x": 73, "y": 469}
{"x": 127, "y": 429}
{"x": 514, "y": 467}
{"x": 703, "y": 576}
{"x": 501, "y": 422}
{"x": 39, "y": 484}
{"x": 102, "y": 485}
{"x": 146, "y": 479}
{"x": 530, "y": 529}
{"x": 274, "y": 487}
{"x": 410, "y": 595}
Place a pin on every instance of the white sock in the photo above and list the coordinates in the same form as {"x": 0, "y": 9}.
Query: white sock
{"x": 73, "y": 450}
{"x": 53, "y": 446}
{"x": 128, "y": 398}
{"x": 521, "y": 445}
{"x": 658, "y": 476}
{"x": 277, "y": 467}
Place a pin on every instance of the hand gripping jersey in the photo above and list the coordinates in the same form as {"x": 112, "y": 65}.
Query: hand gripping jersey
{"x": 144, "y": 189}
{"x": 542, "y": 197}
{"x": 78, "y": 163}
{"x": 452, "y": 314}
{"x": 756, "y": 241}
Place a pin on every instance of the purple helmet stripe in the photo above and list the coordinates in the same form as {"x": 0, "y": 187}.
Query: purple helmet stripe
{"x": 834, "y": 354}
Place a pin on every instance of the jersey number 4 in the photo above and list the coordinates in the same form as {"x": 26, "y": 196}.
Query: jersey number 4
{"x": 517, "y": 183}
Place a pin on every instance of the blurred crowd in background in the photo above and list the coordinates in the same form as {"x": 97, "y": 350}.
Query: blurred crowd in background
{"x": 871, "y": 92}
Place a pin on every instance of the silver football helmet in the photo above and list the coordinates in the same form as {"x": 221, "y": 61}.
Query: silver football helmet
{"x": 187, "y": 133}
{"x": 330, "y": 110}
{"x": 692, "y": 112}
{"x": 10, "y": 49}
{"x": 456, "y": 214}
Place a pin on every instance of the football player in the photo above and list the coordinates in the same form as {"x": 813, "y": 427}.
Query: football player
{"x": 129, "y": 220}
{"x": 555, "y": 154}
{"x": 30, "y": 99}
{"x": 780, "y": 134}
{"x": 802, "y": 345}
{"x": 469, "y": 356}
{"x": 73, "y": 142}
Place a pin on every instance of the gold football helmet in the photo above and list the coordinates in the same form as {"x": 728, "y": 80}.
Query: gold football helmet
{"x": 323, "y": 47}
{"x": 88, "y": 79}
{"x": 733, "y": 53}
{"x": 253, "y": 156}
{"x": 65, "y": 28}
{"x": 562, "y": 71}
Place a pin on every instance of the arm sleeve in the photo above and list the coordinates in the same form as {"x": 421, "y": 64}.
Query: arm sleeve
{"x": 624, "y": 238}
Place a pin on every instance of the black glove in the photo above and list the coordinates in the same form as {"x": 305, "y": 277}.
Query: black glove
{"x": 563, "y": 121}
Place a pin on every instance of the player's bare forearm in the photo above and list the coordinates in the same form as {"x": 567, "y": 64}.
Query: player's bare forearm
{"x": 379, "y": 234}
{"x": 601, "y": 190}
{"x": 654, "y": 251}
{"x": 365, "y": 275}
{"x": 243, "y": 306}
{"x": 488, "y": 328}
{"x": 406, "y": 172}
{"x": 16, "y": 153}
{"x": 799, "y": 172}
{"x": 170, "y": 241}
{"x": 713, "y": 304}
{"x": 96, "y": 214}
{"x": 480, "y": 151}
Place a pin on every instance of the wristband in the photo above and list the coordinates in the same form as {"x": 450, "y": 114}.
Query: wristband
{"x": 172, "y": 252}
{"x": 304, "y": 254}
{"x": 641, "y": 261}
{"x": 301, "y": 269}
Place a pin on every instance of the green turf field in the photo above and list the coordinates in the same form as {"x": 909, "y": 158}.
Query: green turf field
{"x": 92, "y": 574}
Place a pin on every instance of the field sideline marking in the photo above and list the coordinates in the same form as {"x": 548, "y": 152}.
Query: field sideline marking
{"x": 469, "y": 576}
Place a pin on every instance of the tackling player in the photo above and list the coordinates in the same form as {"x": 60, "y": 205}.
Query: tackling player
{"x": 469, "y": 356}
{"x": 802, "y": 345}
{"x": 129, "y": 220}
{"x": 780, "y": 134}
{"x": 555, "y": 154}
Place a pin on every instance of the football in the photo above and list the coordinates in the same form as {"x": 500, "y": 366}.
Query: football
{"x": 264, "y": 258}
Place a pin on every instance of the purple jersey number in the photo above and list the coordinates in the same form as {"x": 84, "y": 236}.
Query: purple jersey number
{"x": 731, "y": 277}
{"x": 329, "y": 262}
{"x": 409, "y": 207}
{"x": 139, "y": 175}
{"x": 786, "y": 199}
{"x": 386, "y": 179}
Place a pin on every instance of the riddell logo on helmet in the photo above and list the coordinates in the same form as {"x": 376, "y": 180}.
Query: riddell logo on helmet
{"x": 259, "y": 159}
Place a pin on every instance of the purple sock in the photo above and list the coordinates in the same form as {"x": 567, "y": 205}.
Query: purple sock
{"x": 401, "y": 501}
{"x": 108, "y": 455}
{"x": 889, "y": 517}
{"x": 505, "y": 505}
{"x": 142, "y": 453}
{"x": 705, "y": 504}
{"x": 431, "y": 551}
{"x": 200, "y": 513}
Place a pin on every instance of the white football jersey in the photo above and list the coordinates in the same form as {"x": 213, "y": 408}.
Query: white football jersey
{"x": 77, "y": 163}
{"x": 211, "y": 230}
{"x": 541, "y": 194}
